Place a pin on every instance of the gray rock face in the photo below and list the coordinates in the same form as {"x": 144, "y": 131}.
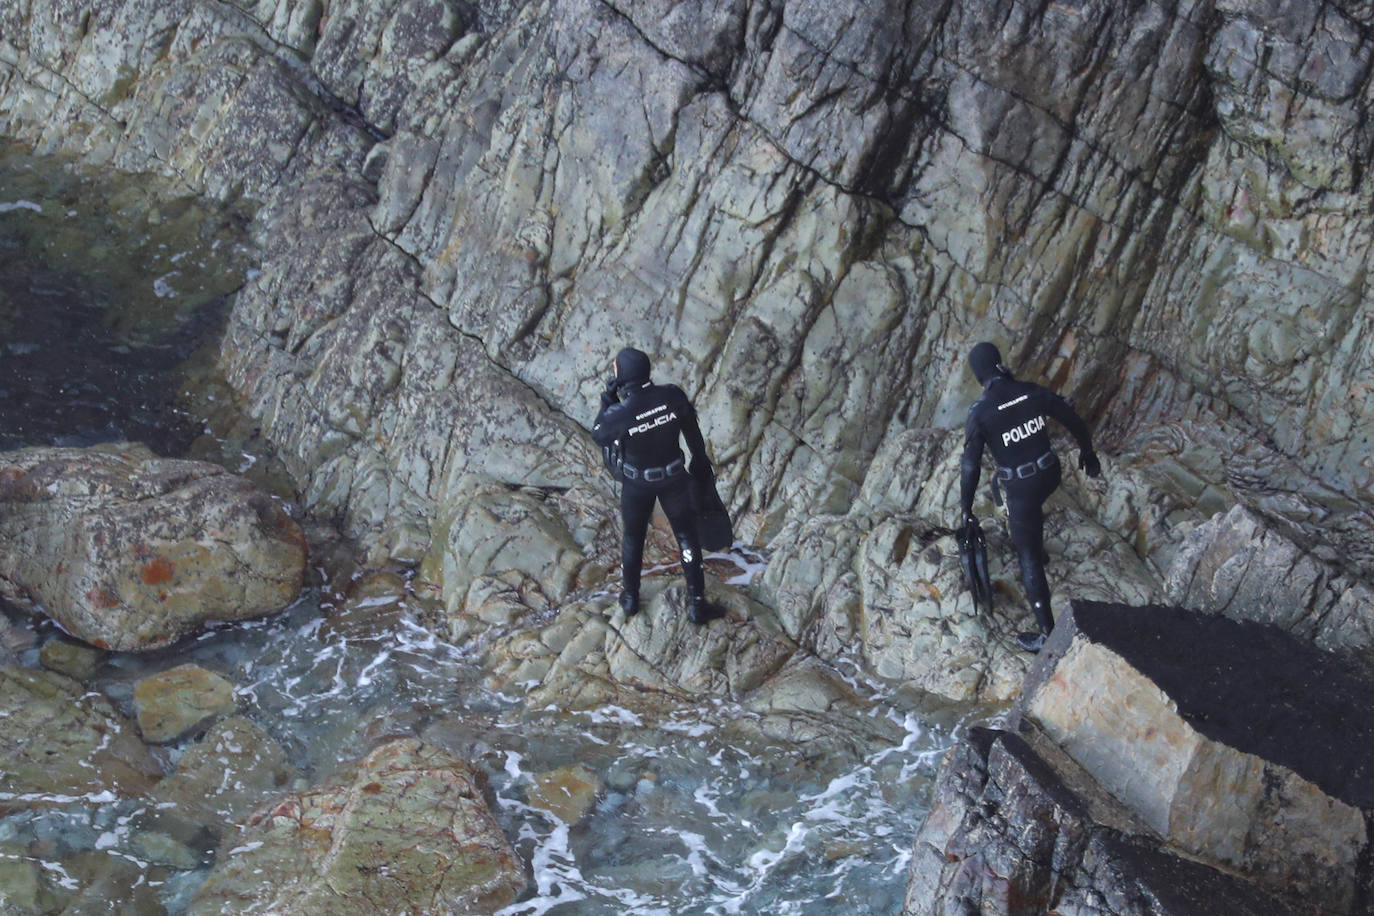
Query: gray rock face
{"x": 1238, "y": 565}
{"x": 807, "y": 214}
{"x": 799, "y": 210}
{"x": 128, "y": 551}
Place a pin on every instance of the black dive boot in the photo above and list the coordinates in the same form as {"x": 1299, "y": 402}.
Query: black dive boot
{"x": 704, "y": 611}
{"x": 629, "y": 604}
{"x": 1032, "y": 642}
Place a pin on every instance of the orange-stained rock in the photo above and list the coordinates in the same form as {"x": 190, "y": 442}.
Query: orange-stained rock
{"x": 128, "y": 551}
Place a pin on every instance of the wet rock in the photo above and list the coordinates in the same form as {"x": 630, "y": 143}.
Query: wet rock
{"x": 589, "y": 653}
{"x": 76, "y": 660}
{"x": 1237, "y": 743}
{"x": 217, "y": 781}
{"x": 19, "y": 885}
{"x": 184, "y": 699}
{"x": 61, "y": 744}
{"x": 406, "y": 824}
{"x": 160, "y": 849}
{"x": 661, "y": 647}
{"x": 99, "y": 882}
{"x": 1010, "y": 832}
{"x": 372, "y": 607}
{"x": 567, "y": 792}
{"x": 128, "y": 551}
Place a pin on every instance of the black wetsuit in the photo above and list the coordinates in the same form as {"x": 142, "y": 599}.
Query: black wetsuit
{"x": 645, "y": 424}
{"x": 1009, "y": 419}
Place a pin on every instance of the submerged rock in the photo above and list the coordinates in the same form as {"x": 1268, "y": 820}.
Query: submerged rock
{"x": 66, "y": 656}
{"x": 181, "y": 700}
{"x": 407, "y": 825}
{"x": 567, "y": 792}
{"x": 128, "y": 551}
{"x": 219, "y": 779}
{"x": 61, "y": 744}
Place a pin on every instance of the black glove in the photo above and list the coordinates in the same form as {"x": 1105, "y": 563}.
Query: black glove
{"x": 609, "y": 397}
{"x": 701, "y": 470}
{"x": 1088, "y": 463}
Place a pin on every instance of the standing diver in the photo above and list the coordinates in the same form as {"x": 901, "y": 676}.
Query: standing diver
{"x": 638, "y": 429}
{"x": 1010, "y": 420}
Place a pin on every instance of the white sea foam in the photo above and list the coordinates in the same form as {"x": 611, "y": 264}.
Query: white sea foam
{"x": 162, "y": 287}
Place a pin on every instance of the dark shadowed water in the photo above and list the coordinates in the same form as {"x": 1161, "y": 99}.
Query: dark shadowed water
{"x": 105, "y": 290}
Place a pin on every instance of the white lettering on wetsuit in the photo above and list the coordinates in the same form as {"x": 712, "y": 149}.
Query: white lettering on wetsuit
{"x": 1013, "y": 402}
{"x": 645, "y": 427}
{"x": 1024, "y": 431}
{"x": 650, "y": 413}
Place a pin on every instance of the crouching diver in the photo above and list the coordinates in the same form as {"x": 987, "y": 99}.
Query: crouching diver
{"x": 1009, "y": 419}
{"x": 638, "y": 429}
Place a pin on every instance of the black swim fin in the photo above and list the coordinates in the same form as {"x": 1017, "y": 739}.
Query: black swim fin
{"x": 973, "y": 556}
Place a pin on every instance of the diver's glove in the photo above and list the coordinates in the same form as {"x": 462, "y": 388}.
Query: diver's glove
{"x": 1088, "y": 463}
{"x": 701, "y": 470}
{"x": 608, "y": 396}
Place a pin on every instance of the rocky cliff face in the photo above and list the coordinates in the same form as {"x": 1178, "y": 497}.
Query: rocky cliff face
{"x": 807, "y": 212}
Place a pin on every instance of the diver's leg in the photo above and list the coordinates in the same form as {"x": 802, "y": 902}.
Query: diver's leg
{"x": 636, "y": 505}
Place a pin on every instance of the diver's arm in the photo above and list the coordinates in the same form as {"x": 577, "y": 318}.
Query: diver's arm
{"x": 970, "y": 466}
{"x": 696, "y": 442}
{"x": 1063, "y": 411}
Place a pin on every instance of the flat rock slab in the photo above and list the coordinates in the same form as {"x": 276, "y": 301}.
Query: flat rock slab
{"x": 1236, "y": 742}
{"x": 131, "y": 552}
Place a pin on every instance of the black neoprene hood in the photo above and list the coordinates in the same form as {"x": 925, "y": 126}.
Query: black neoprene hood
{"x": 986, "y": 362}
{"x": 631, "y": 365}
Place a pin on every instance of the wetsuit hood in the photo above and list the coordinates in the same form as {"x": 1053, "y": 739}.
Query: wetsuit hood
{"x": 631, "y": 366}
{"x": 986, "y": 363}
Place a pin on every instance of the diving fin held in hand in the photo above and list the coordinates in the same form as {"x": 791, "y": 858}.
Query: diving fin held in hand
{"x": 973, "y": 556}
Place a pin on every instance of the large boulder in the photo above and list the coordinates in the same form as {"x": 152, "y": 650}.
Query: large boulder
{"x": 1009, "y": 832}
{"x": 129, "y": 551}
{"x": 406, "y": 829}
{"x": 1236, "y": 743}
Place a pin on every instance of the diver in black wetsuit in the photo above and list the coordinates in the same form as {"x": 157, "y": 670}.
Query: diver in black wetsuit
{"x": 1010, "y": 420}
{"x": 638, "y": 429}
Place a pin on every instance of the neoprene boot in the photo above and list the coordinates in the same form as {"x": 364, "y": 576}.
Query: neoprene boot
{"x": 704, "y": 611}
{"x": 629, "y": 603}
{"x": 1032, "y": 642}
